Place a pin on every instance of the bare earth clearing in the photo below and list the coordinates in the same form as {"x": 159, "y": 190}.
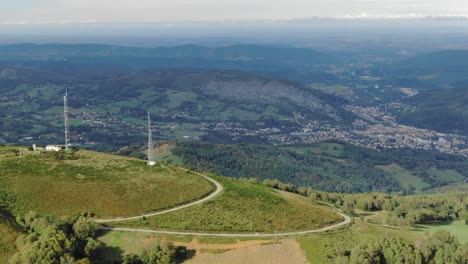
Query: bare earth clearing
{"x": 271, "y": 252}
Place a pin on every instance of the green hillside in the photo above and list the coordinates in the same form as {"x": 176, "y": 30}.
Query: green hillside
{"x": 106, "y": 185}
{"x": 329, "y": 166}
{"x": 442, "y": 110}
{"x": 245, "y": 206}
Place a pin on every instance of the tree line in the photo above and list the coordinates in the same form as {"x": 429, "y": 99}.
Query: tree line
{"x": 440, "y": 248}
{"x": 74, "y": 241}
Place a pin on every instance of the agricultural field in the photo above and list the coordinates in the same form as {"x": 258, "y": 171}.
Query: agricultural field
{"x": 245, "y": 207}
{"x": 106, "y": 185}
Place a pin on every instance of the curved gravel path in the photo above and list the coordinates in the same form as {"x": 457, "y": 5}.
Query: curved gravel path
{"x": 219, "y": 189}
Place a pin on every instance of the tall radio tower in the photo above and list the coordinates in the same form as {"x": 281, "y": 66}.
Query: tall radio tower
{"x": 65, "y": 116}
{"x": 151, "y": 161}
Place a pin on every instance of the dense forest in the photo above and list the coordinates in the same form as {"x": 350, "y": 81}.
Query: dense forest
{"x": 431, "y": 110}
{"x": 329, "y": 166}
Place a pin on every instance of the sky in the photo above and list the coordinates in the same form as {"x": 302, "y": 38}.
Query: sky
{"x": 142, "y": 11}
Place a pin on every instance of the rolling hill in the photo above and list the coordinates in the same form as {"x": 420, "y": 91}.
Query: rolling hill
{"x": 107, "y": 186}
{"x": 62, "y": 184}
{"x": 245, "y": 207}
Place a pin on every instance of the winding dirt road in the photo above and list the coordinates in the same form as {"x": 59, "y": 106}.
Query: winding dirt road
{"x": 219, "y": 189}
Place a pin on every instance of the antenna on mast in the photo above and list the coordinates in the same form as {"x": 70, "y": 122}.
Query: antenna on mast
{"x": 151, "y": 161}
{"x": 65, "y": 117}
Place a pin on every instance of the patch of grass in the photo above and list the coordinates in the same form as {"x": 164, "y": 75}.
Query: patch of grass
{"x": 240, "y": 114}
{"x": 445, "y": 176}
{"x": 454, "y": 188}
{"x": 130, "y": 243}
{"x": 164, "y": 153}
{"x": 325, "y": 149}
{"x": 245, "y": 207}
{"x": 405, "y": 178}
{"x": 107, "y": 185}
{"x": 177, "y": 98}
{"x": 457, "y": 228}
{"x": 214, "y": 251}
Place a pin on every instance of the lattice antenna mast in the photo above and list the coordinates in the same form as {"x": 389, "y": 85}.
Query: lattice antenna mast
{"x": 65, "y": 117}
{"x": 150, "y": 142}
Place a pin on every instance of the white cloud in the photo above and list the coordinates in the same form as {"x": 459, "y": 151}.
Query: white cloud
{"x": 183, "y": 10}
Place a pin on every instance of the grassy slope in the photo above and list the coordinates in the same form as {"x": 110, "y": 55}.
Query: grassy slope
{"x": 246, "y": 207}
{"x": 105, "y": 184}
{"x": 457, "y": 228}
{"x": 405, "y": 177}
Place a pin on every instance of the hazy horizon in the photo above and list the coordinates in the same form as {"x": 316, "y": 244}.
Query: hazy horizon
{"x": 86, "y": 11}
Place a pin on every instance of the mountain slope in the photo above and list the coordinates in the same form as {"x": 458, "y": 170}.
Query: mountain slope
{"x": 225, "y": 87}
{"x": 62, "y": 184}
{"x": 184, "y": 103}
{"x": 330, "y": 166}
{"x": 442, "y": 110}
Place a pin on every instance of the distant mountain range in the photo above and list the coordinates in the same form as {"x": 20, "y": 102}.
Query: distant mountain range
{"x": 234, "y": 53}
{"x": 299, "y": 64}
{"x": 432, "y": 70}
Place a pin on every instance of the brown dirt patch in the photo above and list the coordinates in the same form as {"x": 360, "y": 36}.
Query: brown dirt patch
{"x": 271, "y": 252}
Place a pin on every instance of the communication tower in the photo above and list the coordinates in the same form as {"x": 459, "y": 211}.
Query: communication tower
{"x": 65, "y": 117}
{"x": 151, "y": 161}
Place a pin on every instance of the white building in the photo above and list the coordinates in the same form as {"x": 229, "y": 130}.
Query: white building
{"x": 54, "y": 147}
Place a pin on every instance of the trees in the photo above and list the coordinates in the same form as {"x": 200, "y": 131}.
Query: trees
{"x": 51, "y": 241}
{"x": 159, "y": 253}
{"x": 441, "y": 248}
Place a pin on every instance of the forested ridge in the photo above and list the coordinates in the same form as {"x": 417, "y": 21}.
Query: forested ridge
{"x": 330, "y": 166}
